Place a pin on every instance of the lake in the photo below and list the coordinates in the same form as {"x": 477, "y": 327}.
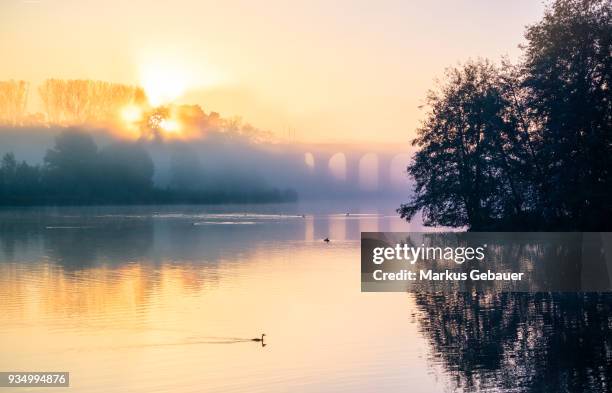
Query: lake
{"x": 167, "y": 299}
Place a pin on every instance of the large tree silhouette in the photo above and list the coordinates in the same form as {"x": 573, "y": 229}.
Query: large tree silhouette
{"x": 526, "y": 146}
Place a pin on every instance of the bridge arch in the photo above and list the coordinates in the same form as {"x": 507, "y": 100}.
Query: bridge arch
{"x": 368, "y": 172}
{"x": 309, "y": 161}
{"x": 355, "y": 166}
{"x": 337, "y": 166}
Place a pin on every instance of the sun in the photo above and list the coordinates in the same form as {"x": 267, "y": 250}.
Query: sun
{"x": 163, "y": 83}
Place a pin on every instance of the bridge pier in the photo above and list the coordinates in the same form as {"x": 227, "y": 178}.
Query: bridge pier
{"x": 321, "y": 165}
{"x": 352, "y": 170}
{"x": 384, "y": 171}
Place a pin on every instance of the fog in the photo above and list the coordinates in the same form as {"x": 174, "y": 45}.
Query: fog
{"x": 220, "y": 162}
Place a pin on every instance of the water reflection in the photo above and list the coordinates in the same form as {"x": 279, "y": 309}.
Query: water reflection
{"x": 78, "y": 238}
{"x": 131, "y": 300}
{"x": 145, "y": 299}
{"x": 547, "y": 342}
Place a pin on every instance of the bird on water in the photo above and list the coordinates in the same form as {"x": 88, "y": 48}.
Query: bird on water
{"x": 259, "y": 339}
{"x": 326, "y": 240}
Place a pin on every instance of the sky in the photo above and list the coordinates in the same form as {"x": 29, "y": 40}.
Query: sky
{"x": 316, "y": 71}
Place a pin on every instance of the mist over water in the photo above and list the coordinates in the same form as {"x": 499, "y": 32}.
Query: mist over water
{"x": 234, "y": 164}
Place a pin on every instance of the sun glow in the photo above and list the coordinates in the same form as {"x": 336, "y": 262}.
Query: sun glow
{"x": 163, "y": 83}
{"x": 131, "y": 114}
{"x": 170, "y": 126}
{"x": 166, "y": 77}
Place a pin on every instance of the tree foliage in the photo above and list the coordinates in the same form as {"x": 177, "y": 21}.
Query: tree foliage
{"x": 13, "y": 100}
{"x": 76, "y": 172}
{"x": 567, "y": 79}
{"x": 527, "y": 146}
{"x": 71, "y": 102}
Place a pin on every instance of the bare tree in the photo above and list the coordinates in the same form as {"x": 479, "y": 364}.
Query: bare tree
{"x": 85, "y": 101}
{"x": 13, "y": 101}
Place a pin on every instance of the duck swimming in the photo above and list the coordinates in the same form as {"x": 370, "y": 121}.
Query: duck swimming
{"x": 259, "y": 339}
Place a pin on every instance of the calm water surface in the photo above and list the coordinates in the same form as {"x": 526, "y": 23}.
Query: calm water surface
{"x": 165, "y": 299}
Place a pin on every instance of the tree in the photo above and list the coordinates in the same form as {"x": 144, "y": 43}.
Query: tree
{"x": 8, "y": 168}
{"x": 71, "y": 102}
{"x": 78, "y": 172}
{"x": 19, "y": 182}
{"x": 71, "y": 165}
{"x": 13, "y": 101}
{"x": 527, "y": 146}
{"x": 567, "y": 78}
{"x": 467, "y": 169}
{"x": 125, "y": 172}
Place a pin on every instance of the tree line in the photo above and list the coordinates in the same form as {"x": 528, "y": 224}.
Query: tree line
{"x": 13, "y": 101}
{"x": 74, "y": 102}
{"x": 85, "y": 101}
{"x": 524, "y": 146}
{"x": 77, "y": 172}
{"x": 67, "y": 101}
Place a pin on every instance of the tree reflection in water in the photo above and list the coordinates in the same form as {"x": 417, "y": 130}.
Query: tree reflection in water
{"x": 543, "y": 342}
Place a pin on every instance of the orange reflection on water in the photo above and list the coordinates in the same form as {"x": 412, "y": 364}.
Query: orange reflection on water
{"x": 175, "y": 326}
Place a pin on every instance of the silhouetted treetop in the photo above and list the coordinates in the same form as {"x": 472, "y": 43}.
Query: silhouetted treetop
{"x": 524, "y": 147}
